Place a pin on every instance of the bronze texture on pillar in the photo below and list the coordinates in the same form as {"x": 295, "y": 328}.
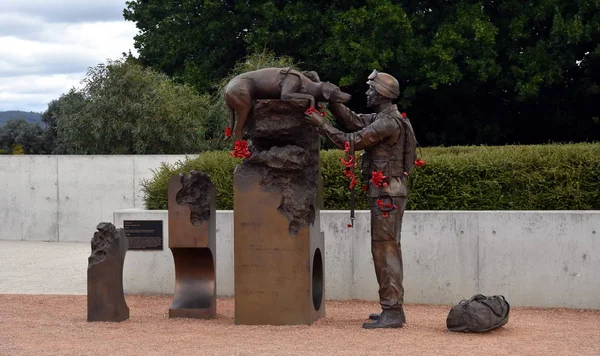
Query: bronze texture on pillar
{"x": 278, "y": 244}
{"x": 105, "y": 298}
{"x": 192, "y": 241}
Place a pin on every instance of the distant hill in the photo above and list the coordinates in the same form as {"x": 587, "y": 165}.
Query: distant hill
{"x": 29, "y": 116}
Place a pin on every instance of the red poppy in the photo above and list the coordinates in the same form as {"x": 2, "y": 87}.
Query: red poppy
{"x": 240, "y": 149}
{"x": 379, "y": 203}
{"x": 377, "y": 178}
{"x": 385, "y": 214}
{"x": 349, "y": 225}
{"x": 311, "y": 110}
{"x": 352, "y": 181}
{"x": 419, "y": 162}
{"x": 346, "y": 146}
{"x": 403, "y": 115}
{"x": 348, "y": 163}
{"x": 228, "y": 132}
{"x": 350, "y": 175}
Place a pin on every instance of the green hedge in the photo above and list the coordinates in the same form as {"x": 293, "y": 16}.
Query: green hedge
{"x": 543, "y": 177}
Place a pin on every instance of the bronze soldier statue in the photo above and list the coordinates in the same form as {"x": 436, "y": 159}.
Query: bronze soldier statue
{"x": 389, "y": 145}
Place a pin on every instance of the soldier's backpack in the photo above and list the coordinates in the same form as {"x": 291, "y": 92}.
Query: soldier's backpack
{"x": 478, "y": 314}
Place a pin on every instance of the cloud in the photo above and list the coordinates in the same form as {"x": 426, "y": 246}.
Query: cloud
{"x": 67, "y": 10}
{"x": 76, "y": 47}
{"x": 48, "y": 47}
{"x": 33, "y": 93}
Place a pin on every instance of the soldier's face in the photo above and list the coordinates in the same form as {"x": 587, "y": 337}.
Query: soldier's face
{"x": 371, "y": 96}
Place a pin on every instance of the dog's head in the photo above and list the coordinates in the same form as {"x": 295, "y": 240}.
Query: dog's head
{"x": 332, "y": 93}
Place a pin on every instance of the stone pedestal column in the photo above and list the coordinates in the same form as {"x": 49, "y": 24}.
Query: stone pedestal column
{"x": 278, "y": 244}
{"x": 192, "y": 240}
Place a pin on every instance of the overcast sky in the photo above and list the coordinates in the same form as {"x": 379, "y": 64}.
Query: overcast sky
{"x": 47, "y": 46}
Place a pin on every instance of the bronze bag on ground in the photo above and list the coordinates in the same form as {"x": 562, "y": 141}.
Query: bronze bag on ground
{"x": 478, "y": 314}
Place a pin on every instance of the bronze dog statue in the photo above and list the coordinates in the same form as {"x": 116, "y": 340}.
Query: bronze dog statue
{"x": 275, "y": 83}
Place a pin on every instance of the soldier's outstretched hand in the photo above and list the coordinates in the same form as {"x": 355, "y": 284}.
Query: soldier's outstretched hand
{"x": 315, "y": 118}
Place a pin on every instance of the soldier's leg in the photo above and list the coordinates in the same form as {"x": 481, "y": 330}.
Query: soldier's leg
{"x": 387, "y": 256}
{"x": 401, "y": 203}
{"x": 385, "y": 247}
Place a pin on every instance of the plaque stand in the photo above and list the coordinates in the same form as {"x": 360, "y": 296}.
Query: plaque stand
{"x": 192, "y": 241}
{"x": 278, "y": 244}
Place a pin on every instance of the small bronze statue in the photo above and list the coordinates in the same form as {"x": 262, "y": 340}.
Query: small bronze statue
{"x": 105, "y": 296}
{"x": 389, "y": 145}
{"x": 275, "y": 83}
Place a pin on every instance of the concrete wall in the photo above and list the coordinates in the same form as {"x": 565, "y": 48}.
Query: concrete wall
{"x": 542, "y": 259}
{"x": 63, "y": 198}
{"x": 534, "y": 258}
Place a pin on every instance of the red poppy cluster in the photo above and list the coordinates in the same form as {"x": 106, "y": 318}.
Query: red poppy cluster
{"x": 377, "y": 178}
{"x": 240, "y": 149}
{"x": 312, "y": 109}
{"x": 349, "y": 164}
{"x": 419, "y": 162}
{"x": 386, "y": 206}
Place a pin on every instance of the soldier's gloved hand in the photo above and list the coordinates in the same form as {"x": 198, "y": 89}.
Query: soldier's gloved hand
{"x": 315, "y": 118}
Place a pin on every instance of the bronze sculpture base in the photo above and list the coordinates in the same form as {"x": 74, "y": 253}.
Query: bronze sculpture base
{"x": 278, "y": 277}
{"x": 195, "y": 284}
{"x": 278, "y": 244}
{"x": 192, "y": 241}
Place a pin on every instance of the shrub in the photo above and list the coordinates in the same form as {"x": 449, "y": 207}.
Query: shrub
{"x": 542, "y": 177}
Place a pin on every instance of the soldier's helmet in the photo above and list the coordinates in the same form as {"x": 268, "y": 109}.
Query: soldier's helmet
{"x": 384, "y": 84}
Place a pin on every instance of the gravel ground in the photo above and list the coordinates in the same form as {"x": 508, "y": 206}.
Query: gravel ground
{"x": 56, "y": 325}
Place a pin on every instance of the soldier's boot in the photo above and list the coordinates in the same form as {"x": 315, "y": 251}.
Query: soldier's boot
{"x": 389, "y": 318}
{"x": 375, "y": 316}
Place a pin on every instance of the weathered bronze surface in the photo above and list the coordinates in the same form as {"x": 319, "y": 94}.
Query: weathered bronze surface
{"x": 192, "y": 241}
{"x": 275, "y": 83}
{"x": 105, "y": 298}
{"x": 278, "y": 245}
{"x": 389, "y": 145}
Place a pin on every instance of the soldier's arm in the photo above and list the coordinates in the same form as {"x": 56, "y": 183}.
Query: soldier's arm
{"x": 365, "y": 138}
{"x": 349, "y": 119}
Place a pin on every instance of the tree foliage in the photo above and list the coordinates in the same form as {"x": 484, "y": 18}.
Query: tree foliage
{"x": 471, "y": 72}
{"x": 124, "y": 108}
{"x": 18, "y": 136}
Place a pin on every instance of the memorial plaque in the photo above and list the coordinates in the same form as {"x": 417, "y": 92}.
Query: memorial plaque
{"x": 144, "y": 234}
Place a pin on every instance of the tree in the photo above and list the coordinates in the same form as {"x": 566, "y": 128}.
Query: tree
{"x": 471, "y": 72}
{"x": 20, "y": 136}
{"x": 208, "y": 41}
{"x": 124, "y": 108}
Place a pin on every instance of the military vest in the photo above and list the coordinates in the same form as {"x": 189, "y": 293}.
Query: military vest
{"x": 393, "y": 157}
